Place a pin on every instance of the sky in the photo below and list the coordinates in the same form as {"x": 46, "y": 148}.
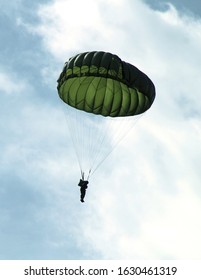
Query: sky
{"x": 144, "y": 202}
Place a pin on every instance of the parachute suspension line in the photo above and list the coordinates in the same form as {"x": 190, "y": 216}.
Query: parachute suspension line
{"x": 118, "y": 139}
{"x": 92, "y": 135}
{"x": 70, "y": 126}
{"x": 104, "y": 126}
{"x": 80, "y": 132}
{"x": 92, "y": 83}
{"x": 71, "y": 123}
{"x": 100, "y": 150}
{"x": 95, "y": 134}
{"x": 101, "y": 136}
{"x": 83, "y": 127}
{"x": 88, "y": 175}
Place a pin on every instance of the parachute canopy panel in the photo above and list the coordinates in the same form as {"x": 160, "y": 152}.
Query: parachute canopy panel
{"x": 101, "y": 83}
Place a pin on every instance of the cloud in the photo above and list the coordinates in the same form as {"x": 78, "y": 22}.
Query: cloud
{"x": 75, "y": 25}
{"x": 143, "y": 209}
{"x": 144, "y": 201}
{"x": 10, "y": 84}
{"x": 154, "y": 230}
{"x": 74, "y": 20}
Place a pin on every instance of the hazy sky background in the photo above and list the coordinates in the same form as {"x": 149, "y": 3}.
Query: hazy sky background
{"x": 145, "y": 200}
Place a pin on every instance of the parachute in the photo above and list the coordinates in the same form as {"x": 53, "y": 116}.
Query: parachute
{"x": 98, "y": 89}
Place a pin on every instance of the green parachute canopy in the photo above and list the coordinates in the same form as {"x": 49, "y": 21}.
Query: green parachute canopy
{"x": 101, "y": 83}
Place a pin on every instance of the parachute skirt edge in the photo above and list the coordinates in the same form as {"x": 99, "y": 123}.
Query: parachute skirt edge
{"x": 103, "y": 96}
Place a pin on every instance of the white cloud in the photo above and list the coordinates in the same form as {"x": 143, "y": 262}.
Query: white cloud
{"x": 144, "y": 202}
{"x": 10, "y": 84}
{"x": 74, "y": 25}
{"x": 69, "y": 27}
